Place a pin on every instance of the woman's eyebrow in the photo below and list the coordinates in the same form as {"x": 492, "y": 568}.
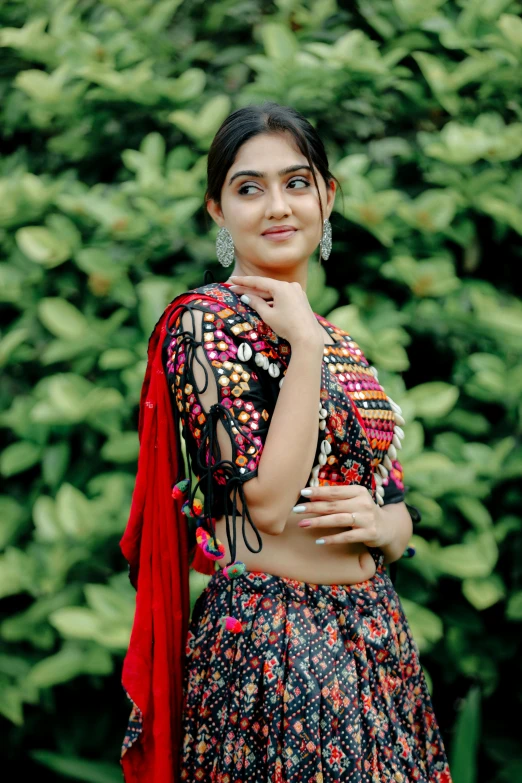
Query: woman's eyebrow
{"x": 251, "y": 173}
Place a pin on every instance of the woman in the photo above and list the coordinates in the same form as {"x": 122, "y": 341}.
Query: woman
{"x": 299, "y": 664}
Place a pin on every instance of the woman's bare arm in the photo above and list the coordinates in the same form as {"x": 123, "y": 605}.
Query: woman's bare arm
{"x": 291, "y": 442}
{"x": 400, "y": 525}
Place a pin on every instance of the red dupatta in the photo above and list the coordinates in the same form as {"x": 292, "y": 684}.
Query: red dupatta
{"x": 155, "y": 544}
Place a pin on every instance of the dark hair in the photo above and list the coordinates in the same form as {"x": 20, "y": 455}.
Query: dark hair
{"x": 269, "y": 117}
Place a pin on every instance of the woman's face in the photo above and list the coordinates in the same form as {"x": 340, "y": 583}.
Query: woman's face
{"x": 267, "y": 196}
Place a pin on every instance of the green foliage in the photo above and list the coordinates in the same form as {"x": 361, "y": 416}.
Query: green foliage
{"x": 108, "y": 109}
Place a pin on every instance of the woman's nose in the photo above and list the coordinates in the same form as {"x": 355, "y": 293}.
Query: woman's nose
{"x": 277, "y": 204}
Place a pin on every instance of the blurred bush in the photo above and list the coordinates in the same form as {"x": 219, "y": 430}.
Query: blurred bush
{"x": 107, "y": 112}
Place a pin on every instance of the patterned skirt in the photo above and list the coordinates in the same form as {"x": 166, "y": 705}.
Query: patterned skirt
{"x": 324, "y": 685}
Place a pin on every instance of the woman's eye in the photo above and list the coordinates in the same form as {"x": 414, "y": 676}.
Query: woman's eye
{"x": 305, "y": 182}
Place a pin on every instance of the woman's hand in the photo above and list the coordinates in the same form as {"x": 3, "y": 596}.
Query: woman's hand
{"x": 283, "y": 306}
{"x": 350, "y": 507}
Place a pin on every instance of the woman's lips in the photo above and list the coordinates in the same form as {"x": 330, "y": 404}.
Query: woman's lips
{"x": 278, "y": 236}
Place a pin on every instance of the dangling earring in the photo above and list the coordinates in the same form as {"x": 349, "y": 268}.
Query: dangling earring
{"x": 225, "y": 247}
{"x": 326, "y": 240}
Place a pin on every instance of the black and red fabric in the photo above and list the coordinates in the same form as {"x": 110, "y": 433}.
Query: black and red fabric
{"x": 324, "y": 684}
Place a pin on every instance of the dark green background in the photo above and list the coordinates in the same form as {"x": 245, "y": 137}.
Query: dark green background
{"x": 107, "y": 112}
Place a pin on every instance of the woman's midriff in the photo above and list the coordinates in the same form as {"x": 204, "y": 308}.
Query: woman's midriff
{"x": 295, "y": 554}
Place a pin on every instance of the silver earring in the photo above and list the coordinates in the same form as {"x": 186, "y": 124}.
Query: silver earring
{"x": 326, "y": 240}
{"x": 225, "y": 247}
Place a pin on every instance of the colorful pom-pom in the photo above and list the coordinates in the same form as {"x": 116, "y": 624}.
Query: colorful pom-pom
{"x": 409, "y": 552}
{"x": 186, "y": 509}
{"x": 231, "y": 624}
{"x": 197, "y": 507}
{"x": 180, "y": 488}
{"x": 235, "y": 569}
{"x": 214, "y": 551}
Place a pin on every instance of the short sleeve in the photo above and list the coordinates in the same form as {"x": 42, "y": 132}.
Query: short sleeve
{"x": 396, "y": 492}
{"x": 393, "y": 484}
{"x": 219, "y": 398}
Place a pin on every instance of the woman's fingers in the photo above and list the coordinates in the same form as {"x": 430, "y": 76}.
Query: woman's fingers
{"x": 255, "y": 282}
{"x": 243, "y": 289}
{"x": 347, "y": 537}
{"x": 355, "y": 505}
{"x": 335, "y": 520}
{"x": 260, "y": 305}
{"x": 362, "y": 528}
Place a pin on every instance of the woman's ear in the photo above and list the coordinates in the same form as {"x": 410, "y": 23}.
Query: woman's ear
{"x": 330, "y": 196}
{"x": 215, "y": 212}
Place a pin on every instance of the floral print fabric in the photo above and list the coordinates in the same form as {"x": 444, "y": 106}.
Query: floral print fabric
{"x": 323, "y": 685}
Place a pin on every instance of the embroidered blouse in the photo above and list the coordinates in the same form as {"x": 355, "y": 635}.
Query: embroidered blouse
{"x": 359, "y": 430}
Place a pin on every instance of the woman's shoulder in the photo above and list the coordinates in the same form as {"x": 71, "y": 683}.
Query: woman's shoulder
{"x": 343, "y": 341}
{"x": 212, "y": 298}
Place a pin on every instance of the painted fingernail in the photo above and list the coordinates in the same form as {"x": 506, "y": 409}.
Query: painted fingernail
{"x": 319, "y": 540}
{"x": 304, "y": 523}
{"x": 306, "y": 492}
{"x": 299, "y": 509}
{"x": 244, "y": 298}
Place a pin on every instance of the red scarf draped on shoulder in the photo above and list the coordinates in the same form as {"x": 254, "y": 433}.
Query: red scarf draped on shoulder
{"x": 155, "y": 544}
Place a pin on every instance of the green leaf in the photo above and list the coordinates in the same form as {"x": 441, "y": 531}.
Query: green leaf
{"x": 483, "y": 593}
{"x": 201, "y": 126}
{"x": 426, "y": 626}
{"x": 474, "y": 559}
{"x": 430, "y": 212}
{"x": 198, "y": 582}
{"x": 153, "y": 149}
{"x": 514, "y": 606}
{"x": 17, "y": 572}
{"x": 75, "y": 513}
{"x": 503, "y": 211}
{"x": 439, "y": 80}
{"x": 78, "y": 769}
{"x": 278, "y": 41}
{"x": 108, "y": 603}
{"x": 412, "y": 13}
{"x": 464, "y": 751}
{"x": 43, "y": 246}
{"x": 189, "y": 85}
{"x": 11, "y": 702}
{"x": 12, "y": 516}
{"x": 124, "y": 448}
{"x": 10, "y": 343}
{"x": 76, "y": 622}
{"x": 116, "y": 358}
{"x": 68, "y": 664}
{"x": 511, "y": 27}
{"x": 55, "y": 461}
{"x": 19, "y": 457}
{"x": 46, "y": 520}
{"x": 475, "y": 511}
{"x": 62, "y": 319}
{"x": 433, "y": 400}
